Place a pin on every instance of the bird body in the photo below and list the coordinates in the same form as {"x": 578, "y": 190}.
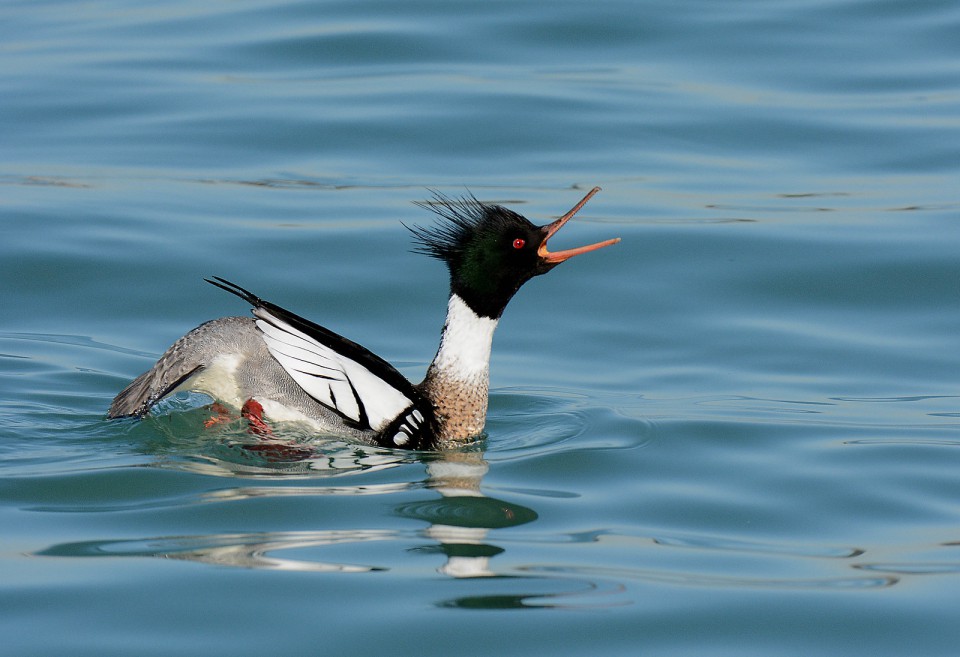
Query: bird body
{"x": 287, "y": 368}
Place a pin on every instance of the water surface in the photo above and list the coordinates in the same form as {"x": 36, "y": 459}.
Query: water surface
{"x": 734, "y": 433}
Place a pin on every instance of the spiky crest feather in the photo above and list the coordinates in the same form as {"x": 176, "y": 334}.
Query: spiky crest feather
{"x": 464, "y": 219}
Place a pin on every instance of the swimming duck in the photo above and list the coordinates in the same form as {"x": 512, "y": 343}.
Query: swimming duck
{"x": 281, "y": 367}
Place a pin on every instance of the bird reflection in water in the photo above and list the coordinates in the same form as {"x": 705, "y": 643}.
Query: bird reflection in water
{"x": 458, "y": 521}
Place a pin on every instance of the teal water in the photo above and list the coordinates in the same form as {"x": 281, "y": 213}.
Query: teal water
{"x": 735, "y": 433}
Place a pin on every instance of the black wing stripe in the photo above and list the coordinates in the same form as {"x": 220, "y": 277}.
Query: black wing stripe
{"x": 317, "y": 365}
{"x": 306, "y": 346}
{"x": 361, "y": 409}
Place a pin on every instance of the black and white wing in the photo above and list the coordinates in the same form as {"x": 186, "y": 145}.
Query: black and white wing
{"x": 364, "y": 390}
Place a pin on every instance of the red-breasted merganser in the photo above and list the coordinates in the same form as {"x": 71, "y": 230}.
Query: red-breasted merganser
{"x": 286, "y": 368}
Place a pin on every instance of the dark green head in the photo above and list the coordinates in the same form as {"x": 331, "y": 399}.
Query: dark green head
{"x": 491, "y": 251}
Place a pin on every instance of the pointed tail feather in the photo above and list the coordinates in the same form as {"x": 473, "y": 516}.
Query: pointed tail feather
{"x": 186, "y": 358}
{"x": 146, "y": 390}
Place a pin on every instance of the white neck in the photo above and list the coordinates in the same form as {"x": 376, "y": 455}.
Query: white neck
{"x": 464, "y": 352}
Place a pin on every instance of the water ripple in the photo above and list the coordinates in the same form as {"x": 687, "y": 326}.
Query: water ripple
{"x": 529, "y": 421}
{"x": 698, "y": 579}
{"x": 250, "y": 550}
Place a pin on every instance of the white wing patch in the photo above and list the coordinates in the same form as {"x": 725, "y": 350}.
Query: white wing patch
{"x": 331, "y": 378}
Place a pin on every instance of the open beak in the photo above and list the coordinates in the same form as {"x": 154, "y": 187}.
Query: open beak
{"x": 555, "y": 257}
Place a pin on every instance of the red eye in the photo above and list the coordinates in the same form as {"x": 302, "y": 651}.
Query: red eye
{"x": 519, "y": 243}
